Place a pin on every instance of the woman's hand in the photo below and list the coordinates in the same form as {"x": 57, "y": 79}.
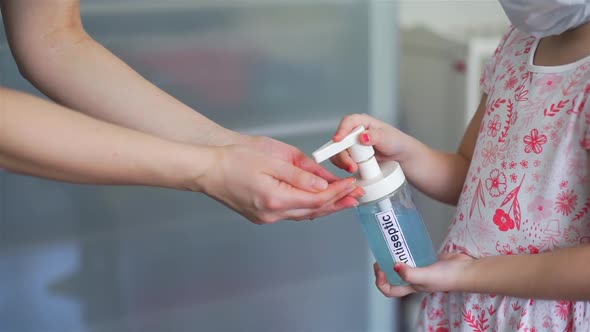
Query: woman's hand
{"x": 444, "y": 275}
{"x": 289, "y": 154}
{"x": 266, "y": 184}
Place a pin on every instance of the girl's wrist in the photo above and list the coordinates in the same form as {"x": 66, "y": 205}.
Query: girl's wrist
{"x": 467, "y": 278}
{"x": 412, "y": 152}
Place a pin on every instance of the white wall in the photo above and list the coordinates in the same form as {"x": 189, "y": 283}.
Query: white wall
{"x": 444, "y": 15}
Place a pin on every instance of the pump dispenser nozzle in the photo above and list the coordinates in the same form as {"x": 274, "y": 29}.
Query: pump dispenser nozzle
{"x": 393, "y": 226}
{"x": 377, "y": 180}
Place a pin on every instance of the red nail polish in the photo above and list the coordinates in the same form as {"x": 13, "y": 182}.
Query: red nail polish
{"x": 365, "y": 137}
{"x": 396, "y": 268}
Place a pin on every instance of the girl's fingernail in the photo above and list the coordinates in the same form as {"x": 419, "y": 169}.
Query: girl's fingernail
{"x": 365, "y": 137}
{"x": 397, "y": 268}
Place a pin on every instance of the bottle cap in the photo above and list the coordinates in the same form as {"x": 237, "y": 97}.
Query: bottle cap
{"x": 378, "y": 180}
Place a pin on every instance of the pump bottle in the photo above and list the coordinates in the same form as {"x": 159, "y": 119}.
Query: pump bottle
{"x": 393, "y": 226}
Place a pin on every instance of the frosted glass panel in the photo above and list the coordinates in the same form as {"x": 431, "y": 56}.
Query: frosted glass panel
{"x": 250, "y": 65}
{"x": 88, "y": 258}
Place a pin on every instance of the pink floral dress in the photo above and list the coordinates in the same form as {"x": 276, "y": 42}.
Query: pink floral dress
{"x": 527, "y": 189}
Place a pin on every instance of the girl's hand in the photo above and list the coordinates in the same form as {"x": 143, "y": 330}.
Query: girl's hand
{"x": 389, "y": 142}
{"x": 447, "y": 274}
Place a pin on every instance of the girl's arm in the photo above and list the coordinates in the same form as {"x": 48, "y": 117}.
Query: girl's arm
{"x": 563, "y": 274}
{"x": 41, "y": 138}
{"x": 438, "y": 174}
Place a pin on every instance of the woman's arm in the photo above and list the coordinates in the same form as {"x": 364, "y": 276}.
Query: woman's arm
{"x": 54, "y": 52}
{"x": 41, "y": 138}
{"x": 45, "y": 139}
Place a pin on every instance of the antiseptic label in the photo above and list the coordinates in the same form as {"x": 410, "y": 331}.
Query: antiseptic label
{"x": 395, "y": 239}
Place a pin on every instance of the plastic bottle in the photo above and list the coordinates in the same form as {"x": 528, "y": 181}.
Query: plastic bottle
{"x": 393, "y": 226}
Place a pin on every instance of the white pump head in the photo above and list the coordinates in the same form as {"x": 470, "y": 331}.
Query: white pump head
{"x": 358, "y": 152}
{"x": 377, "y": 180}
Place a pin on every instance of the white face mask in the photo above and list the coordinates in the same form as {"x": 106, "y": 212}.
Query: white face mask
{"x": 542, "y": 18}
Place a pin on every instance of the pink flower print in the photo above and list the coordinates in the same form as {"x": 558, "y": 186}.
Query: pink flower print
{"x": 513, "y": 239}
{"x": 563, "y": 309}
{"x": 489, "y": 153}
{"x": 555, "y": 136}
{"x": 537, "y": 163}
{"x": 503, "y": 165}
{"x": 435, "y": 314}
{"x": 522, "y": 68}
{"x": 549, "y": 82}
{"x": 547, "y": 322}
{"x": 503, "y": 220}
{"x": 534, "y": 142}
{"x": 524, "y": 164}
{"x": 576, "y": 165}
{"x": 461, "y": 216}
{"x": 496, "y": 183}
{"x": 513, "y": 164}
{"x": 572, "y": 235}
{"x": 533, "y": 250}
{"x": 510, "y": 83}
{"x": 559, "y": 123}
{"x": 513, "y": 178}
{"x": 540, "y": 208}
{"x": 563, "y": 184}
{"x": 494, "y": 126}
{"x": 566, "y": 202}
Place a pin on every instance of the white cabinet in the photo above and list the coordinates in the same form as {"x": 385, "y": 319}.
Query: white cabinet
{"x": 439, "y": 91}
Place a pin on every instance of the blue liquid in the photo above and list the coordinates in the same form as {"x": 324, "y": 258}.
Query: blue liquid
{"x": 411, "y": 226}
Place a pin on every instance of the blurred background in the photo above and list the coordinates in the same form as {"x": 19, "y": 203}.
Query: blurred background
{"x": 89, "y": 258}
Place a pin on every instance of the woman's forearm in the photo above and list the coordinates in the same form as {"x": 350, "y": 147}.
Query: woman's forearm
{"x": 55, "y": 53}
{"x": 562, "y": 274}
{"x": 44, "y": 139}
